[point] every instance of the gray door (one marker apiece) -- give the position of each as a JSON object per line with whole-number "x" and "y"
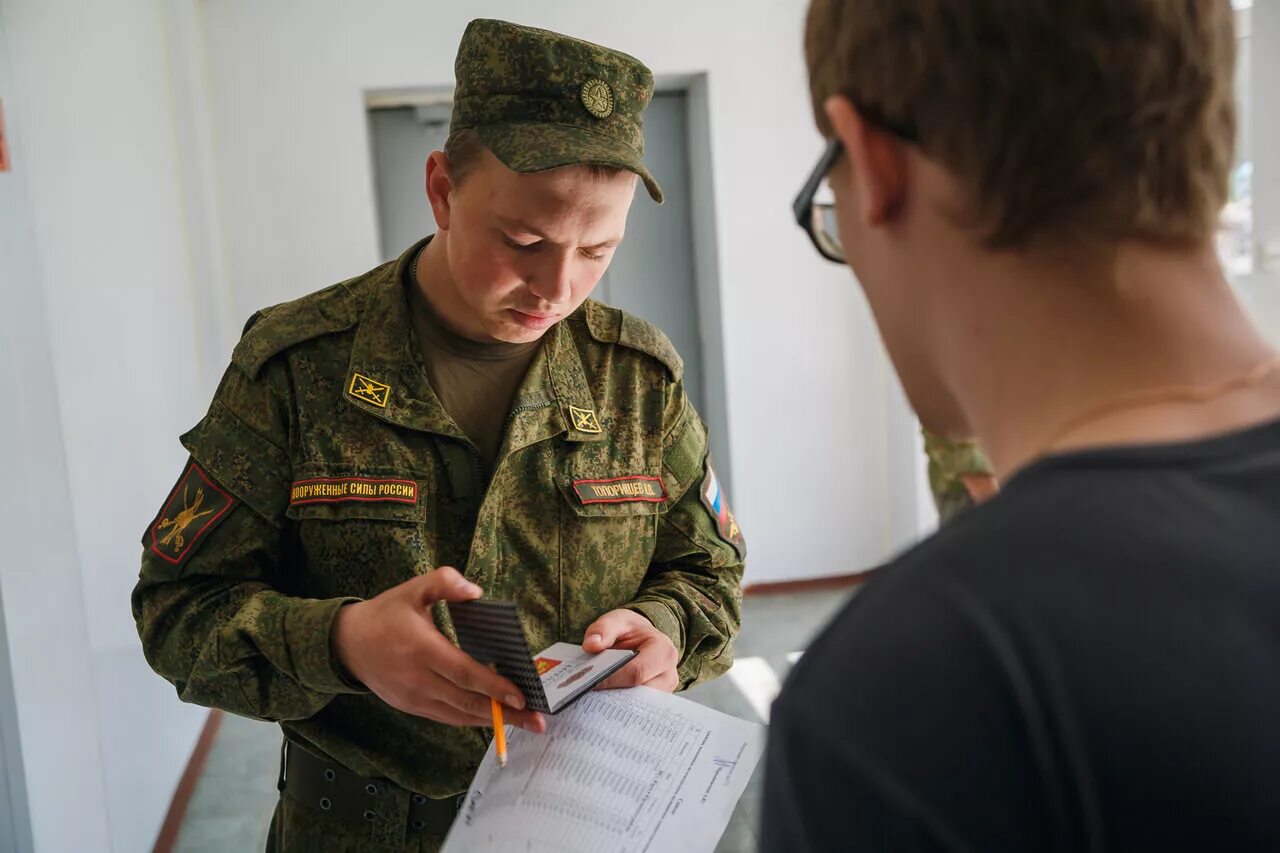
{"x": 401, "y": 139}
{"x": 652, "y": 274}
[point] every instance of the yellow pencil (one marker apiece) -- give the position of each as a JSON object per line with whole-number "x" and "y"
{"x": 499, "y": 731}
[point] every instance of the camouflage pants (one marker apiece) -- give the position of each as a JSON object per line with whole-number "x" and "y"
{"x": 295, "y": 828}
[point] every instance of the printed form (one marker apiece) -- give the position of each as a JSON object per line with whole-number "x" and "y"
{"x": 622, "y": 771}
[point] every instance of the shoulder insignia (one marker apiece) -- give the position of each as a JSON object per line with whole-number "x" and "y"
{"x": 273, "y": 330}
{"x": 615, "y": 326}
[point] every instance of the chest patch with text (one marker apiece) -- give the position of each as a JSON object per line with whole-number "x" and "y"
{"x": 620, "y": 490}
{"x": 354, "y": 489}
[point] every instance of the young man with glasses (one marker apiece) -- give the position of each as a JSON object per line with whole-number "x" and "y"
{"x": 1027, "y": 191}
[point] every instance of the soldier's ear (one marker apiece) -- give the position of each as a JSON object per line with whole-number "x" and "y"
{"x": 439, "y": 187}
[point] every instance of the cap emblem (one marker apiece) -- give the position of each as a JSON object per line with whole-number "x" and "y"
{"x": 597, "y": 97}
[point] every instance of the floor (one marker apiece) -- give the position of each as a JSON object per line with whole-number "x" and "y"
{"x": 235, "y": 795}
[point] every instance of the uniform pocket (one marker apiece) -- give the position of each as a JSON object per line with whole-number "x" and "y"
{"x": 609, "y": 528}
{"x": 357, "y": 533}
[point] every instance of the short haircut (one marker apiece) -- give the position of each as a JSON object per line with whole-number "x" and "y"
{"x": 1106, "y": 119}
{"x": 463, "y": 148}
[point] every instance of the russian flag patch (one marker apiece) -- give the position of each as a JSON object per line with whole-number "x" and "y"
{"x": 717, "y": 504}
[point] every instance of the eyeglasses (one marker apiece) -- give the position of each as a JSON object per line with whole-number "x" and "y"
{"x": 815, "y": 207}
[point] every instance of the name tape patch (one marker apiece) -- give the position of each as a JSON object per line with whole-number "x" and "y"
{"x": 620, "y": 490}
{"x": 362, "y": 489}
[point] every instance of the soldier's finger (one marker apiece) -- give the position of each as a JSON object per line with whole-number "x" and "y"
{"x": 449, "y": 715}
{"x": 651, "y": 660}
{"x": 479, "y": 706}
{"x": 666, "y": 681}
{"x": 530, "y": 721}
{"x": 629, "y": 676}
{"x": 462, "y": 670}
{"x": 437, "y": 692}
{"x": 475, "y": 704}
{"x": 444, "y": 584}
{"x": 605, "y": 631}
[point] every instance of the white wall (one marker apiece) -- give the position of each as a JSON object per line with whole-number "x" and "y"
{"x": 46, "y": 674}
{"x": 807, "y": 398}
{"x": 54, "y": 734}
{"x": 1262, "y": 289}
{"x": 52, "y": 739}
{"x": 102, "y": 317}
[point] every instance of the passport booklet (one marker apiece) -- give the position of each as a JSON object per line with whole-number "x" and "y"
{"x": 551, "y": 680}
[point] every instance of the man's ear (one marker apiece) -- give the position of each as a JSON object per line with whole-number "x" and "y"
{"x": 877, "y": 163}
{"x": 440, "y": 188}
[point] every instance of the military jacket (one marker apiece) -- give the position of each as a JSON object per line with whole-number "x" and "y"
{"x": 326, "y": 471}
{"x": 951, "y": 462}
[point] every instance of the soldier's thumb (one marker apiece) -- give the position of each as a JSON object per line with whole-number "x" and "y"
{"x": 603, "y": 633}
{"x": 446, "y": 584}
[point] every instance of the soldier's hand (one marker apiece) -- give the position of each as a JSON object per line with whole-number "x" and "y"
{"x": 656, "y": 658}
{"x": 391, "y": 645}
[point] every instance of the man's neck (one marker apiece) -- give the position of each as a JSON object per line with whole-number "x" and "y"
{"x": 1031, "y": 345}
{"x": 435, "y": 280}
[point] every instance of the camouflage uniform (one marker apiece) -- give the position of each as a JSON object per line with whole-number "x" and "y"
{"x": 953, "y": 465}
{"x": 326, "y": 471}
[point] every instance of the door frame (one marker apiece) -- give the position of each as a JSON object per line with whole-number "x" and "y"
{"x": 15, "y": 817}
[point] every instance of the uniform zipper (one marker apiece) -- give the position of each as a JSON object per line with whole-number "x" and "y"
{"x": 528, "y": 407}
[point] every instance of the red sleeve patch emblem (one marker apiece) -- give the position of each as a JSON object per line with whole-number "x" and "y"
{"x": 195, "y": 506}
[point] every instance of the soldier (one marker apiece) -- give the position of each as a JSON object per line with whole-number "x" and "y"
{"x": 463, "y": 406}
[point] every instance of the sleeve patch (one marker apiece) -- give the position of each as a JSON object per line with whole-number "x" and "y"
{"x": 717, "y": 504}
{"x": 195, "y": 506}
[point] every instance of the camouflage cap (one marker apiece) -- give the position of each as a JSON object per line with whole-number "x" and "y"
{"x": 540, "y": 100}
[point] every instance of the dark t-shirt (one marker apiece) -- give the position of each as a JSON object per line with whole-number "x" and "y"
{"x": 476, "y": 382}
{"x": 1090, "y": 661}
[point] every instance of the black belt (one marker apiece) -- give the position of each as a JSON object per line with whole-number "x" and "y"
{"x": 328, "y": 787}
